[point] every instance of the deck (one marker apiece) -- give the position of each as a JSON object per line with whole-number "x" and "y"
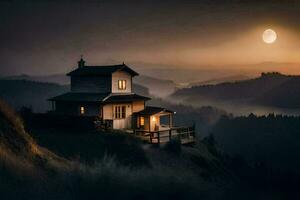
{"x": 185, "y": 135}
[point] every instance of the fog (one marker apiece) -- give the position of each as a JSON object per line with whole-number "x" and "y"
{"x": 238, "y": 109}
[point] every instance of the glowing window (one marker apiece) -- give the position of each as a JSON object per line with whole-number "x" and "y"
{"x": 142, "y": 121}
{"x": 122, "y": 84}
{"x": 82, "y": 110}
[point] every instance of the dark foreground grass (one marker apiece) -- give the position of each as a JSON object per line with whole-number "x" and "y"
{"x": 29, "y": 171}
{"x": 91, "y": 146}
{"x": 116, "y": 166}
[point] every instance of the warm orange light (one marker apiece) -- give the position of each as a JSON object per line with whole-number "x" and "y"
{"x": 82, "y": 110}
{"x": 153, "y": 119}
{"x": 122, "y": 84}
{"x": 142, "y": 121}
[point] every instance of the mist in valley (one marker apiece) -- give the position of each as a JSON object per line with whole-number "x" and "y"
{"x": 235, "y": 108}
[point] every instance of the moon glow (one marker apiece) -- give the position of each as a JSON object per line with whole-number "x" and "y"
{"x": 269, "y": 36}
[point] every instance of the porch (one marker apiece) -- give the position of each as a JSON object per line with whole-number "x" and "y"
{"x": 155, "y": 125}
{"x": 185, "y": 135}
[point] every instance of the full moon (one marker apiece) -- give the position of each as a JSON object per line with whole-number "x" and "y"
{"x": 269, "y": 36}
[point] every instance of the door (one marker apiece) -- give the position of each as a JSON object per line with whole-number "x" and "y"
{"x": 122, "y": 116}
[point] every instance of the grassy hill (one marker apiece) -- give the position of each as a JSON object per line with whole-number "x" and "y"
{"x": 270, "y": 89}
{"x": 24, "y": 165}
{"x": 106, "y": 165}
{"x": 115, "y": 165}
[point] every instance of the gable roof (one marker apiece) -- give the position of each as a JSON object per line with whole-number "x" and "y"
{"x": 98, "y": 97}
{"x": 101, "y": 70}
{"x": 151, "y": 110}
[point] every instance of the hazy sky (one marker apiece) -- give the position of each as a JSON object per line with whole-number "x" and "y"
{"x": 42, "y": 37}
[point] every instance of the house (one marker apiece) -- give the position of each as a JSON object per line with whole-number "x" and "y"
{"x": 106, "y": 92}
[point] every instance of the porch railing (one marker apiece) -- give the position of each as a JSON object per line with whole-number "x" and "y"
{"x": 183, "y": 134}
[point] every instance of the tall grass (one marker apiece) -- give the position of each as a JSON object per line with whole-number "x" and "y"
{"x": 28, "y": 171}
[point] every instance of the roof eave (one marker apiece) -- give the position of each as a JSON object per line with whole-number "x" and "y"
{"x": 131, "y": 71}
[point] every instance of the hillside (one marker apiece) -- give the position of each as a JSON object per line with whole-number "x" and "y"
{"x": 270, "y": 89}
{"x": 117, "y": 165}
{"x": 122, "y": 167}
{"x": 20, "y": 155}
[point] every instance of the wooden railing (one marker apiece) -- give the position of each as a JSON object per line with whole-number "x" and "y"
{"x": 183, "y": 134}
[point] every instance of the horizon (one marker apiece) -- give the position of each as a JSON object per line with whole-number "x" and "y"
{"x": 251, "y": 73}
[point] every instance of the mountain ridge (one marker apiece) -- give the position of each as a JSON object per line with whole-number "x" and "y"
{"x": 270, "y": 89}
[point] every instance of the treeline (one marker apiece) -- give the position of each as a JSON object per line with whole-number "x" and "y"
{"x": 273, "y": 140}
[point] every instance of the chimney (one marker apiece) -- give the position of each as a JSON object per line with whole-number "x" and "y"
{"x": 81, "y": 63}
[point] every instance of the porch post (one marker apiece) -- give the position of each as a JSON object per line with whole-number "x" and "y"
{"x": 170, "y": 120}
{"x": 149, "y": 118}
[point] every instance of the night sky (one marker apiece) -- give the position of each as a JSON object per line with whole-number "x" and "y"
{"x": 47, "y": 37}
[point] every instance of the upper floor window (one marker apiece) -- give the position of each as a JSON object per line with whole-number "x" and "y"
{"x": 122, "y": 84}
{"x": 120, "y": 112}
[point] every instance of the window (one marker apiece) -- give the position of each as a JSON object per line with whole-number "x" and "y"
{"x": 142, "y": 121}
{"x": 82, "y": 110}
{"x": 120, "y": 112}
{"x": 122, "y": 84}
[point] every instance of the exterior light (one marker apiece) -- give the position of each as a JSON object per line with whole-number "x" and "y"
{"x": 153, "y": 119}
{"x": 142, "y": 121}
{"x": 82, "y": 110}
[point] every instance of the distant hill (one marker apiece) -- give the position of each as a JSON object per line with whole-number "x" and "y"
{"x": 32, "y": 94}
{"x": 219, "y": 80}
{"x": 139, "y": 89}
{"x": 270, "y": 89}
{"x": 61, "y": 79}
{"x": 140, "y": 86}
{"x": 157, "y": 87}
